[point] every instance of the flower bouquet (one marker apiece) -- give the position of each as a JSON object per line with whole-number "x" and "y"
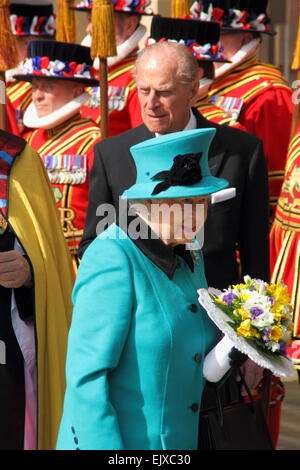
{"x": 256, "y": 318}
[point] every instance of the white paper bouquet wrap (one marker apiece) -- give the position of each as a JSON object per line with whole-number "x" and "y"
{"x": 217, "y": 359}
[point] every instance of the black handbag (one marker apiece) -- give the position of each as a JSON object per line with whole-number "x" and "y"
{"x": 238, "y": 426}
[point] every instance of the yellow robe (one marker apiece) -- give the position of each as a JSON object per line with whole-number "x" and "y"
{"x": 32, "y": 214}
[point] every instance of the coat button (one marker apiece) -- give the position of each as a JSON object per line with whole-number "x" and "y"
{"x": 193, "y": 308}
{"x": 197, "y": 358}
{"x": 194, "y": 407}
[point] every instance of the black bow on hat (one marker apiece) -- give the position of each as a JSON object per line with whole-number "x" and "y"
{"x": 185, "y": 171}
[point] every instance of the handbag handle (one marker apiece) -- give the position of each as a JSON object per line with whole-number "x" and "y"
{"x": 246, "y": 386}
{"x": 218, "y": 398}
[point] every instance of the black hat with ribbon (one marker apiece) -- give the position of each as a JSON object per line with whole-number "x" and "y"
{"x": 234, "y": 15}
{"x": 136, "y": 7}
{"x": 201, "y": 38}
{"x": 58, "y": 60}
{"x": 32, "y": 18}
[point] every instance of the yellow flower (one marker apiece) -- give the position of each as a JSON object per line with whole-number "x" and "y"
{"x": 239, "y": 286}
{"x": 280, "y": 294}
{"x": 276, "y": 333}
{"x": 244, "y": 297}
{"x": 243, "y": 313}
{"x": 245, "y": 329}
{"x": 220, "y": 301}
{"x": 279, "y": 314}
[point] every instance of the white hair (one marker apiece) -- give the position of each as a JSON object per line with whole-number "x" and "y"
{"x": 187, "y": 66}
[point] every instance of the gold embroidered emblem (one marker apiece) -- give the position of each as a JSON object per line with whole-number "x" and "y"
{"x": 292, "y": 183}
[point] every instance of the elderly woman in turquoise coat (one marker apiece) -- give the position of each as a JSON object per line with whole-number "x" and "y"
{"x": 139, "y": 337}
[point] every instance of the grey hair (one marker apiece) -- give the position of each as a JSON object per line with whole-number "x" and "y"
{"x": 187, "y": 66}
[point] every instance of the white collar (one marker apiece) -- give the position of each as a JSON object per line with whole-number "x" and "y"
{"x": 59, "y": 116}
{"x": 123, "y": 50}
{"x": 204, "y": 86}
{"x": 192, "y": 124}
{"x": 239, "y": 57}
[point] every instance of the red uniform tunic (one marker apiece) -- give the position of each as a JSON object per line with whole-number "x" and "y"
{"x": 285, "y": 233}
{"x": 266, "y": 112}
{"x": 123, "y": 104}
{"x": 12, "y": 125}
{"x": 67, "y": 153}
{"x": 19, "y": 97}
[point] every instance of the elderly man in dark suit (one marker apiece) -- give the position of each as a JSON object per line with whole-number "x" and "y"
{"x": 167, "y": 79}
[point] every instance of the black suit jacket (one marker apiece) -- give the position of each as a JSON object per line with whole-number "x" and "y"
{"x": 240, "y": 223}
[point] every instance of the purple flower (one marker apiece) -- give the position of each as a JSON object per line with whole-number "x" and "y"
{"x": 282, "y": 347}
{"x": 266, "y": 338}
{"x": 270, "y": 299}
{"x": 228, "y": 298}
{"x": 255, "y": 312}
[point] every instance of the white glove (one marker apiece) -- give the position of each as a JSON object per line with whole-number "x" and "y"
{"x": 217, "y": 362}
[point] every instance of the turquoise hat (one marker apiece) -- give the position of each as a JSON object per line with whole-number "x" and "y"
{"x": 174, "y": 166}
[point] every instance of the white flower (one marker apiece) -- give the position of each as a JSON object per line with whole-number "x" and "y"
{"x": 273, "y": 346}
{"x": 257, "y": 300}
{"x": 262, "y": 288}
{"x": 264, "y": 320}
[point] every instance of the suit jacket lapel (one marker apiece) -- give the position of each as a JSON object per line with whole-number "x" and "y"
{"x": 217, "y": 150}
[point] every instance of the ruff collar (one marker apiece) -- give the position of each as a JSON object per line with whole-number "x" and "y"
{"x": 239, "y": 57}
{"x": 59, "y": 116}
{"x": 123, "y": 50}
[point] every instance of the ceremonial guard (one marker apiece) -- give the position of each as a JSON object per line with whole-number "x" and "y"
{"x": 252, "y": 90}
{"x": 123, "y": 104}
{"x": 284, "y": 237}
{"x": 202, "y": 39}
{"x": 35, "y": 291}
{"x": 65, "y": 141}
{"x": 29, "y": 20}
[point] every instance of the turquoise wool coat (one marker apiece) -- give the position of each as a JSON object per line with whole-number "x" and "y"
{"x": 136, "y": 348}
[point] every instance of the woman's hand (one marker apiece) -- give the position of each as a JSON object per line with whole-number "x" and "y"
{"x": 15, "y": 270}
